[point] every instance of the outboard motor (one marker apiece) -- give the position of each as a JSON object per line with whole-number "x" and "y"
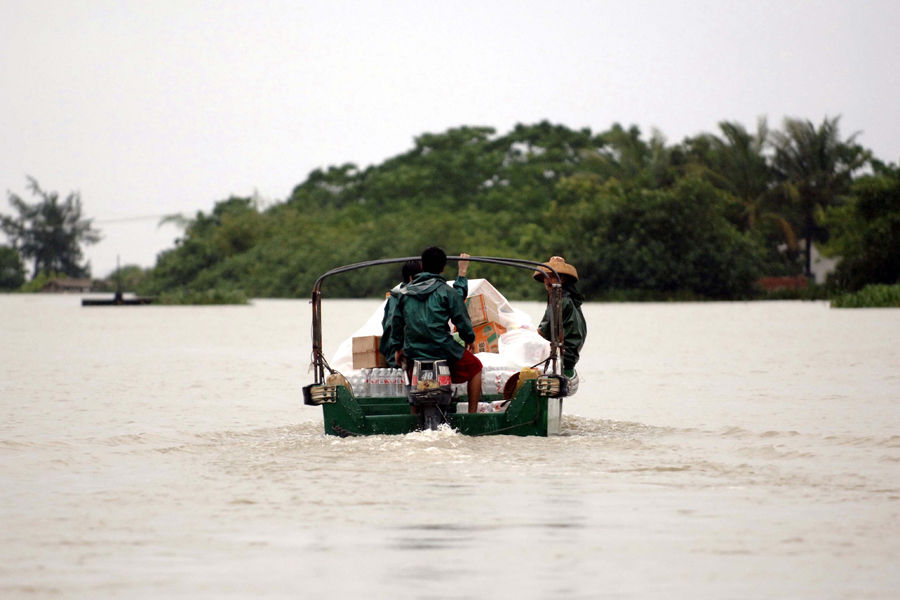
{"x": 430, "y": 392}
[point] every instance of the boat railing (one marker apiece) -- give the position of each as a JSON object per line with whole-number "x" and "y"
{"x": 556, "y": 334}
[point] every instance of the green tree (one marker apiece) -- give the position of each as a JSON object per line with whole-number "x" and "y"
{"x": 631, "y": 212}
{"x": 623, "y": 155}
{"x": 231, "y": 229}
{"x": 866, "y": 232}
{"x": 737, "y": 162}
{"x": 50, "y": 232}
{"x": 815, "y": 167}
{"x": 12, "y": 273}
{"x": 659, "y": 241}
{"x": 129, "y": 278}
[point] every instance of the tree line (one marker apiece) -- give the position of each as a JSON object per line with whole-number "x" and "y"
{"x": 638, "y": 216}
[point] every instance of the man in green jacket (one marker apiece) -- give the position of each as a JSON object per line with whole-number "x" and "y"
{"x": 573, "y": 323}
{"x": 419, "y": 329}
{"x": 410, "y": 269}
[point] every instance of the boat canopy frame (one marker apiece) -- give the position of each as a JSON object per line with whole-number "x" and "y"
{"x": 319, "y": 363}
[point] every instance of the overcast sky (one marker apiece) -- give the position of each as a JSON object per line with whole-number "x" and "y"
{"x": 152, "y": 107}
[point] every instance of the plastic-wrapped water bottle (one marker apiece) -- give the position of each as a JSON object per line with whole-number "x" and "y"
{"x": 487, "y": 381}
{"x": 399, "y": 386}
{"x": 392, "y": 383}
{"x": 378, "y": 381}
{"x": 359, "y": 384}
{"x": 373, "y": 383}
{"x": 366, "y": 383}
{"x": 385, "y": 383}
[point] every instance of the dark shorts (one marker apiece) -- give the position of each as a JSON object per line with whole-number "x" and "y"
{"x": 465, "y": 368}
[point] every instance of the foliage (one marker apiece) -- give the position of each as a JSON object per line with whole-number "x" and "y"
{"x": 871, "y": 296}
{"x": 639, "y": 217}
{"x": 50, "y": 231}
{"x": 866, "y": 233}
{"x": 814, "y": 167}
{"x": 38, "y": 283}
{"x": 129, "y": 278}
{"x": 809, "y": 293}
{"x": 231, "y": 229}
{"x": 664, "y": 241}
{"x": 12, "y": 273}
{"x": 210, "y": 296}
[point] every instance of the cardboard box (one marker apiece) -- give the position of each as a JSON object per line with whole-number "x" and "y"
{"x": 481, "y": 310}
{"x": 487, "y": 337}
{"x": 366, "y": 354}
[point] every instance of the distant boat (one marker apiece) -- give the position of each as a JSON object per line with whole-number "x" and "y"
{"x": 118, "y": 299}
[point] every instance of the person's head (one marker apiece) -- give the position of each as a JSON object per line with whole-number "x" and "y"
{"x": 567, "y": 272}
{"x": 433, "y": 260}
{"x": 411, "y": 268}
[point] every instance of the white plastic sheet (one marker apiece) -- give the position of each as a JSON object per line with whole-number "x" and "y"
{"x": 343, "y": 357}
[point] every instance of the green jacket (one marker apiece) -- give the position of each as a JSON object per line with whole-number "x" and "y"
{"x": 461, "y": 285}
{"x": 574, "y": 329}
{"x": 419, "y": 325}
{"x": 384, "y": 346}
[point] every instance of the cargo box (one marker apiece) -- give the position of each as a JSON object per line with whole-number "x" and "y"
{"x": 487, "y": 337}
{"x": 482, "y": 309}
{"x": 366, "y": 354}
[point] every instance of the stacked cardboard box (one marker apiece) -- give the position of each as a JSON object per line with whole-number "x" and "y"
{"x": 487, "y": 337}
{"x": 481, "y": 309}
{"x": 485, "y": 317}
{"x": 366, "y": 354}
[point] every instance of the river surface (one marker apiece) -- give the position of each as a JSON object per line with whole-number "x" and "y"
{"x": 721, "y": 450}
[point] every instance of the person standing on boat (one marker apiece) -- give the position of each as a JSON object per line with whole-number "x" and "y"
{"x": 410, "y": 269}
{"x": 573, "y": 323}
{"x": 419, "y": 329}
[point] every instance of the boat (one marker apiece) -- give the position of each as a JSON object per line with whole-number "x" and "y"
{"x": 118, "y": 299}
{"x": 529, "y": 404}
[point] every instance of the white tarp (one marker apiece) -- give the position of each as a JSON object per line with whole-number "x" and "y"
{"x": 521, "y": 345}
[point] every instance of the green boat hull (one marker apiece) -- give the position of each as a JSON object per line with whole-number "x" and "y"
{"x": 527, "y": 414}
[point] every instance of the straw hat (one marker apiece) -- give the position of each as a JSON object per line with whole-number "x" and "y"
{"x": 560, "y": 265}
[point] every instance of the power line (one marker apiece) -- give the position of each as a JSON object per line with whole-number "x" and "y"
{"x": 141, "y": 218}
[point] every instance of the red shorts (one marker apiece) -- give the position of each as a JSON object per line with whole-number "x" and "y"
{"x": 465, "y": 368}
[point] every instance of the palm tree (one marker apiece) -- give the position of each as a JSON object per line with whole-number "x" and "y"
{"x": 815, "y": 167}
{"x": 625, "y": 156}
{"x": 741, "y": 166}
{"x": 737, "y": 163}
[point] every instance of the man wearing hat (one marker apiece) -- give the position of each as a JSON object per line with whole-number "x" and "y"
{"x": 573, "y": 323}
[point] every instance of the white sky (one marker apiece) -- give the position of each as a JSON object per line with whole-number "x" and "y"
{"x": 151, "y": 107}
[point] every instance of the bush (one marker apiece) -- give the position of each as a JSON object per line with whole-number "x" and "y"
{"x": 37, "y": 284}
{"x": 871, "y": 296}
{"x": 12, "y": 273}
{"x": 210, "y": 296}
{"x": 866, "y": 233}
{"x": 673, "y": 242}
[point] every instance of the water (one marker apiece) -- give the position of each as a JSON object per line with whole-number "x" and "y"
{"x": 714, "y": 451}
